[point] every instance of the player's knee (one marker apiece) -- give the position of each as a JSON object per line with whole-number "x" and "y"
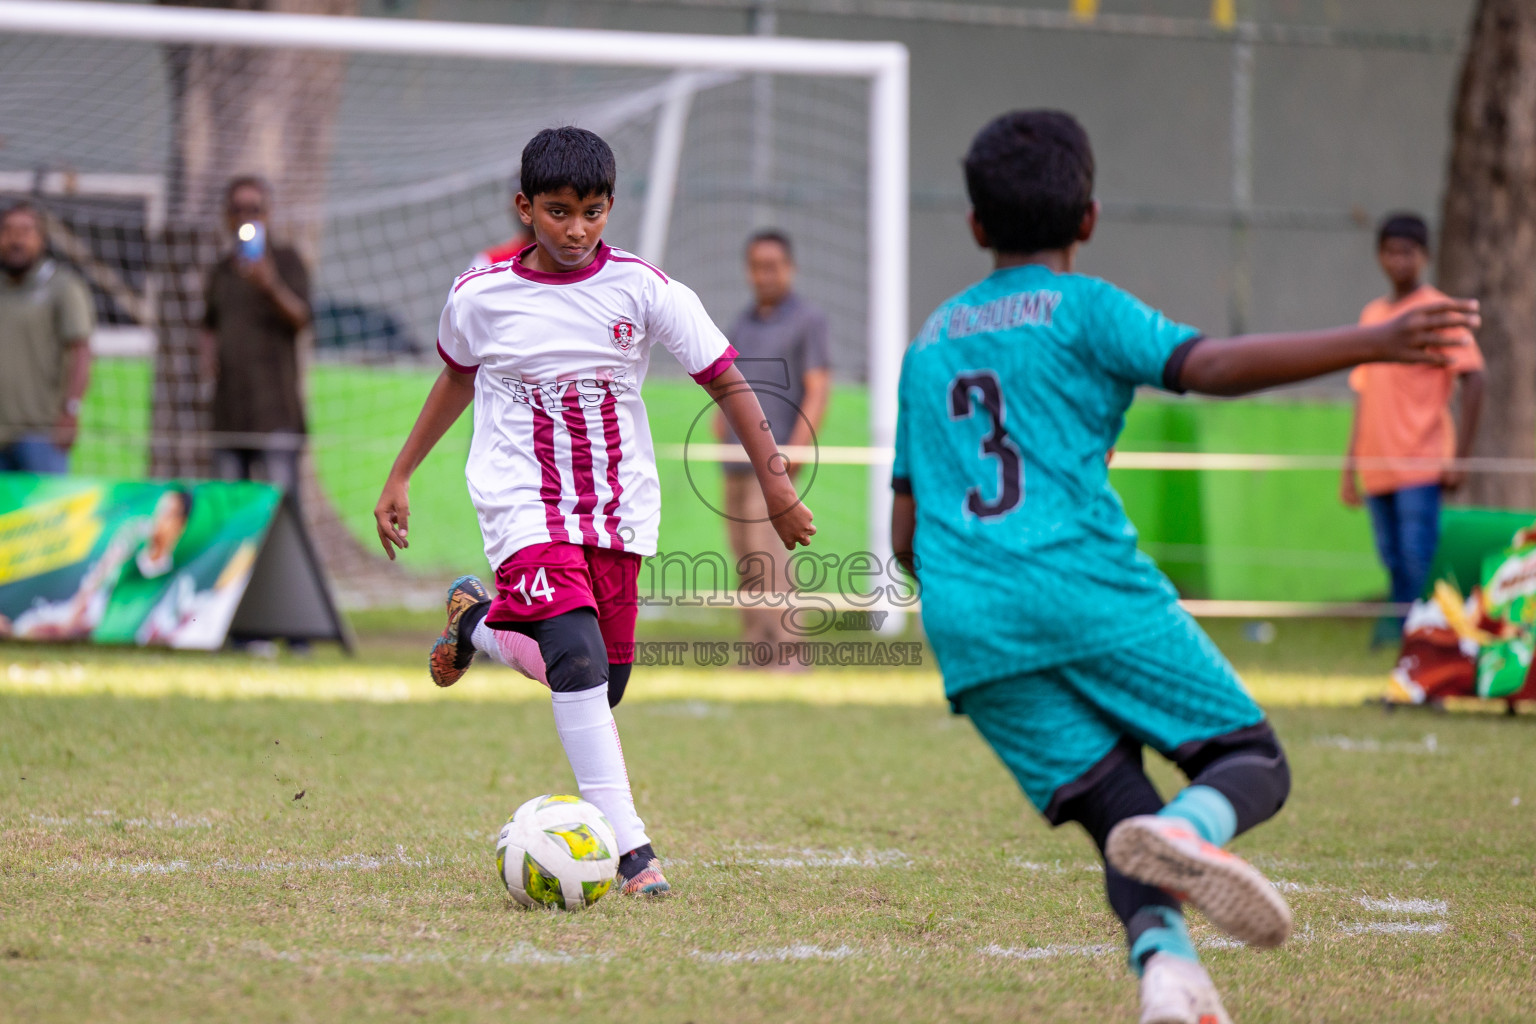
{"x": 1248, "y": 767}
{"x": 618, "y": 679}
{"x": 1264, "y": 752}
{"x": 575, "y": 657}
{"x": 1282, "y": 775}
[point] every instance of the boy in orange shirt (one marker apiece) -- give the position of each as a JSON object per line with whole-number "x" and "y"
{"x": 1403, "y": 437}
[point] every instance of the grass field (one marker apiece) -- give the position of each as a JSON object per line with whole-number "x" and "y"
{"x": 217, "y": 838}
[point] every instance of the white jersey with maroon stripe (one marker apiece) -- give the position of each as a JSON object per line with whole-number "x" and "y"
{"x": 562, "y": 447}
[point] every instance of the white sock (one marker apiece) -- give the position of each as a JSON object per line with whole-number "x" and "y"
{"x": 513, "y": 650}
{"x": 590, "y": 737}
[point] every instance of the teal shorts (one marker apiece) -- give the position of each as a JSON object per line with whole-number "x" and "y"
{"x": 1166, "y": 692}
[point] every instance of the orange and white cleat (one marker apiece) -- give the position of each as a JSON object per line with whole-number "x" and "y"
{"x": 453, "y": 651}
{"x": 1233, "y": 894}
{"x": 640, "y": 873}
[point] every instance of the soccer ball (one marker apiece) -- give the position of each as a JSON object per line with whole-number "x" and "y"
{"x": 557, "y": 851}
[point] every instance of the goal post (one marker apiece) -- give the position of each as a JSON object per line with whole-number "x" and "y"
{"x": 692, "y": 60}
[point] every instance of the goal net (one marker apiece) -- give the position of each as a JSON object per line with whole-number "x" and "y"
{"x": 392, "y": 148}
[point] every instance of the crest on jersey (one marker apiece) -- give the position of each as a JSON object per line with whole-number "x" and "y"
{"x": 622, "y": 333}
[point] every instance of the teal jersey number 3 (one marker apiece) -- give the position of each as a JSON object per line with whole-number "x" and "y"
{"x": 1011, "y": 397}
{"x": 988, "y": 391}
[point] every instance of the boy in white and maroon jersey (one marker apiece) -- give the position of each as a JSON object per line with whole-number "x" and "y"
{"x": 553, "y": 346}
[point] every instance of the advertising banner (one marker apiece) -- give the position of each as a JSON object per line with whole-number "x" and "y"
{"x": 156, "y": 563}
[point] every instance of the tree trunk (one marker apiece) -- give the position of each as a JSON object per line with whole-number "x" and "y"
{"x": 1488, "y": 243}
{"x": 239, "y": 110}
{"x": 235, "y": 110}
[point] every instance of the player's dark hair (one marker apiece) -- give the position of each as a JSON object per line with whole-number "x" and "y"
{"x": 254, "y": 181}
{"x": 570, "y": 157}
{"x": 774, "y": 235}
{"x": 1403, "y": 225}
{"x": 1029, "y": 174}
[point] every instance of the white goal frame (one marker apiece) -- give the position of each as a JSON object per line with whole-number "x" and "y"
{"x": 883, "y": 64}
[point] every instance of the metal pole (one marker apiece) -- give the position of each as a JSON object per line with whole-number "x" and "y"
{"x": 666, "y": 159}
{"x": 888, "y": 208}
{"x": 765, "y": 22}
{"x": 1240, "y": 299}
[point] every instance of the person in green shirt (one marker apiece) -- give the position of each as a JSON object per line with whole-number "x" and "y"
{"x": 46, "y": 319}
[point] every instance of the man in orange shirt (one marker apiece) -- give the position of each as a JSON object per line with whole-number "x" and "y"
{"x": 1403, "y": 437}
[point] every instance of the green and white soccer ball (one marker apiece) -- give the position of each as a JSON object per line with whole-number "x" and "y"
{"x": 557, "y": 851}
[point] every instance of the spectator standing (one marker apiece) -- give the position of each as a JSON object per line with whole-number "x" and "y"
{"x": 781, "y": 341}
{"x": 46, "y": 319}
{"x": 1403, "y": 413}
{"x": 256, "y": 303}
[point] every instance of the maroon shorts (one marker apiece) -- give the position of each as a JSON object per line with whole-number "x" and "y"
{"x": 545, "y": 580}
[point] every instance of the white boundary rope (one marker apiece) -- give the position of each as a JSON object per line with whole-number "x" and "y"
{"x": 836, "y": 455}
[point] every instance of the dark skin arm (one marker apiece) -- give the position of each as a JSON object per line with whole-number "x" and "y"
{"x": 1349, "y": 486}
{"x": 263, "y": 274}
{"x": 739, "y": 405}
{"x": 1253, "y": 362}
{"x": 818, "y": 389}
{"x": 904, "y": 530}
{"x": 1473, "y": 385}
{"x": 77, "y": 377}
{"x": 450, "y": 395}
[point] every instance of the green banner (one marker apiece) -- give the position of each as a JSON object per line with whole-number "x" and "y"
{"x": 161, "y": 563}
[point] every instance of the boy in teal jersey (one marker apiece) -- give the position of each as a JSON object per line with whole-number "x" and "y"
{"x": 1061, "y": 641}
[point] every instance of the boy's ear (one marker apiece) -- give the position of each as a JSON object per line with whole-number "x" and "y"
{"x": 524, "y": 207}
{"x": 978, "y": 232}
{"x": 1089, "y": 222}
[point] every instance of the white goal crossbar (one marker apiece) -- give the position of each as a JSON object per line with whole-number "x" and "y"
{"x": 883, "y": 64}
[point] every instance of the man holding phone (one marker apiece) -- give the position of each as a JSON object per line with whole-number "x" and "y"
{"x": 256, "y": 302}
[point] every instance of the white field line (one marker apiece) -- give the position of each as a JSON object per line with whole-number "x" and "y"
{"x": 1265, "y": 862}
{"x": 813, "y": 858}
{"x": 1394, "y": 928}
{"x": 783, "y": 954}
{"x": 1055, "y": 867}
{"x": 1392, "y": 905}
{"x": 1428, "y": 745}
{"x": 351, "y": 862}
{"x": 526, "y": 954}
{"x": 521, "y": 953}
{"x": 1046, "y": 952}
{"x": 1058, "y": 868}
{"x": 107, "y": 818}
{"x": 687, "y": 709}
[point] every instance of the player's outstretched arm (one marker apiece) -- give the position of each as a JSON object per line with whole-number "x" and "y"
{"x": 1252, "y": 362}
{"x": 904, "y": 531}
{"x": 450, "y": 395}
{"x": 741, "y": 409}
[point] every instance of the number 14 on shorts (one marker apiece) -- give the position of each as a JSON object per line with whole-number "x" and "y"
{"x": 538, "y": 587}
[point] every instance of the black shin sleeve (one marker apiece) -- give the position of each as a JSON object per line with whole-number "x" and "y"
{"x": 618, "y": 678}
{"x": 575, "y": 657}
{"x": 1114, "y": 789}
{"x": 1247, "y": 767}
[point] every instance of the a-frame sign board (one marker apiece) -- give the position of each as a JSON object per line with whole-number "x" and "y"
{"x": 288, "y": 595}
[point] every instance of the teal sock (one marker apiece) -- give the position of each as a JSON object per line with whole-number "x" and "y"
{"x": 1206, "y": 811}
{"x": 1162, "y": 930}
